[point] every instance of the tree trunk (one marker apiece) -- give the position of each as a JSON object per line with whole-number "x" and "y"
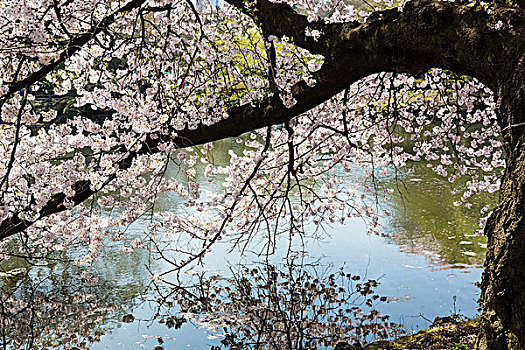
{"x": 503, "y": 285}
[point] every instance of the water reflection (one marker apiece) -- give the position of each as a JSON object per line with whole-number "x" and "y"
{"x": 423, "y": 218}
{"x": 48, "y": 304}
{"x": 65, "y": 316}
{"x": 425, "y": 222}
{"x": 292, "y": 305}
{"x": 269, "y": 304}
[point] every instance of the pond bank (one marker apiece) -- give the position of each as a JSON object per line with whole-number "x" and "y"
{"x": 446, "y": 333}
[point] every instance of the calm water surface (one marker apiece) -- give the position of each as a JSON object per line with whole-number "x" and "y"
{"x": 427, "y": 267}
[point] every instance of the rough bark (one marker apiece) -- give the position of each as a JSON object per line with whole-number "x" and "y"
{"x": 503, "y": 284}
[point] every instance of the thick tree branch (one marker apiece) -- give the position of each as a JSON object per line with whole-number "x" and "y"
{"x": 427, "y": 33}
{"x": 280, "y": 19}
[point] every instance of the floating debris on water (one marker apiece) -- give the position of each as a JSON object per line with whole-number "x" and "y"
{"x": 12, "y": 273}
{"x": 469, "y": 253}
{"x": 413, "y": 267}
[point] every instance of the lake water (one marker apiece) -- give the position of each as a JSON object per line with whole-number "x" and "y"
{"x": 428, "y": 266}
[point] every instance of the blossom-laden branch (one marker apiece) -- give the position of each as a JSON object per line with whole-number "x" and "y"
{"x": 425, "y": 34}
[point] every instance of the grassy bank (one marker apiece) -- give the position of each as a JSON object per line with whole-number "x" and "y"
{"x": 445, "y": 333}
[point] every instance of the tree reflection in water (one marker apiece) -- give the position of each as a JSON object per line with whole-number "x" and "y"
{"x": 67, "y": 316}
{"x": 47, "y": 304}
{"x": 289, "y": 306}
{"x": 292, "y": 305}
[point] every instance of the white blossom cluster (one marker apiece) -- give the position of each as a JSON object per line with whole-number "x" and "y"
{"x": 158, "y": 70}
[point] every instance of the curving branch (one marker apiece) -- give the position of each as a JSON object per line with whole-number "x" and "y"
{"x": 280, "y": 19}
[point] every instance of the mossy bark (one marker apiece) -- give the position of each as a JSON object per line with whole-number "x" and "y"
{"x": 502, "y": 323}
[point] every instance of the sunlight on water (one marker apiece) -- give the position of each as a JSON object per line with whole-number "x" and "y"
{"x": 427, "y": 265}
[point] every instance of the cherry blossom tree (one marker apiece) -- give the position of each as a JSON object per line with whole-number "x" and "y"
{"x": 98, "y": 97}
